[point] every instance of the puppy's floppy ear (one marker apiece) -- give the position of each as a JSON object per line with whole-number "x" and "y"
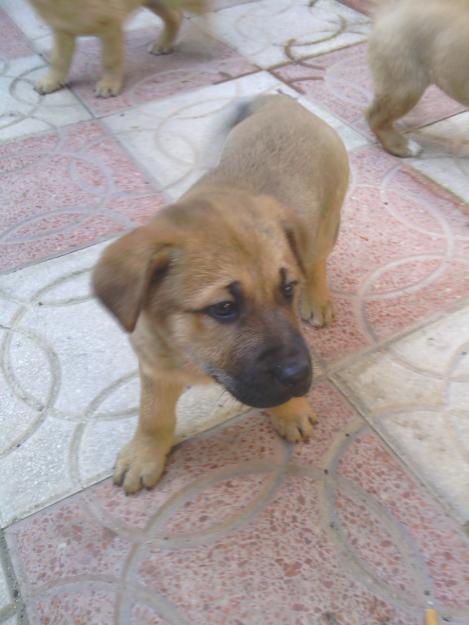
{"x": 125, "y": 270}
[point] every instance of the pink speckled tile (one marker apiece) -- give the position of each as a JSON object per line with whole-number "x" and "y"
{"x": 390, "y": 268}
{"x": 13, "y": 43}
{"x": 341, "y": 83}
{"x": 197, "y": 61}
{"x": 78, "y": 603}
{"x": 233, "y": 445}
{"x": 428, "y": 532}
{"x": 363, "y": 6}
{"x": 66, "y": 189}
{"x": 246, "y": 529}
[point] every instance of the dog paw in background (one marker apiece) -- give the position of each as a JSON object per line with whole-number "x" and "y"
{"x": 48, "y": 84}
{"x": 108, "y": 87}
{"x": 105, "y": 20}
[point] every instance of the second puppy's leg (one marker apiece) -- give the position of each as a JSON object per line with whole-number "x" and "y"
{"x": 399, "y": 83}
{"x": 112, "y": 39}
{"x": 64, "y": 47}
{"x": 172, "y": 18}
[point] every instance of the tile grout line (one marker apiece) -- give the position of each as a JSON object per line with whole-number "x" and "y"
{"x": 17, "y": 605}
{"x": 350, "y": 398}
{"x": 336, "y": 367}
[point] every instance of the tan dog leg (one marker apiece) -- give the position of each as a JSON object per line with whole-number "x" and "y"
{"x": 316, "y": 305}
{"x": 141, "y": 462}
{"x": 294, "y": 420}
{"x": 172, "y": 21}
{"x": 382, "y": 114}
{"x": 112, "y": 39}
{"x": 64, "y": 47}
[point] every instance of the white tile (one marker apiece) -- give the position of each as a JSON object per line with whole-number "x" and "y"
{"x": 69, "y": 386}
{"x": 36, "y": 473}
{"x": 174, "y": 138}
{"x": 23, "y": 111}
{"x": 415, "y": 392}
{"x": 26, "y": 18}
{"x": 270, "y": 32}
{"x": 445, "y": 156}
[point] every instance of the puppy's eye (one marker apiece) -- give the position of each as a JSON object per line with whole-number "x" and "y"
{"x": 288, "y": 290}
{"x": 224, "y": 311}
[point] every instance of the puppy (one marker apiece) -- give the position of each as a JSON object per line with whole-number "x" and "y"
{"x": 211, "y": 288}
{"x": 105, "y": 19}
{"x": 413, "y": 44}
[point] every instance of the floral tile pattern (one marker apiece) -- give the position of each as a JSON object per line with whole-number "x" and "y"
{"x": 69, "y": 403}
{"x": 23, "y": 111}
{"x": 197, "y": 61}
{"x": 366, "y": 523}
{"x": 402, "y": 255}
{"x": 175, "y": 140}
{"x": 427, "y": 422}
{"x": 66, "y": 189}
{"x": 445, "y": 156}
{"x": 341, "y": 83}
{"x": 269, "y": 32}
{"x": 245, "y": 528}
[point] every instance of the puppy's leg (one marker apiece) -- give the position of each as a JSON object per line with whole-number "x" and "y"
{"x": 316, "y": 305}
{"x": 141, "y": 462}
{"x": 385, "y": 110}
{"x": 112, "y": 39}
{"x": 64, "y": 47}
{"x": 294, "y": 420}
{"x": 172, "y": 21}
{"x": 399, "y": 82}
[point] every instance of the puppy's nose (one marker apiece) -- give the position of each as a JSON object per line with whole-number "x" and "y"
{"x": 293, "y": 374}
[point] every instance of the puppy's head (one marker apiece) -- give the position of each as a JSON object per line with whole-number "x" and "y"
{"x": 219, "y": 287}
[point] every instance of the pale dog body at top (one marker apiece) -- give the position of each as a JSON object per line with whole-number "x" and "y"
{"x": 413, "y": 44}
{"x": 105, "y": 19}
{"x": 264, "y": 220}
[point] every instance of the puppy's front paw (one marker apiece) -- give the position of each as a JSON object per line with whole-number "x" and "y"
{"x": 48, "y": 84}
{"x": 319, "y": 313}
{"x": 161, "y": 46}
{"x": 140, "y": 464}
{"x": 108, "y": 87}
{"x": 294, "y": 420}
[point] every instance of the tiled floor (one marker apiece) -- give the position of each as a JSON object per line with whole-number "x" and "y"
{"x": 365, "y": 524}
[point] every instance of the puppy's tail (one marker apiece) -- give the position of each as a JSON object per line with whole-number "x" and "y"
{"x": 232, "y": 117}
{"x": 241, "y": 111}
{"x": 229, "y": 118}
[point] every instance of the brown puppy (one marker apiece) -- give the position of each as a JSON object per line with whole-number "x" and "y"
{"x": 413, "y": 44}
{"x": 70, "y": 19}
{"x": 210, "y": 289}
